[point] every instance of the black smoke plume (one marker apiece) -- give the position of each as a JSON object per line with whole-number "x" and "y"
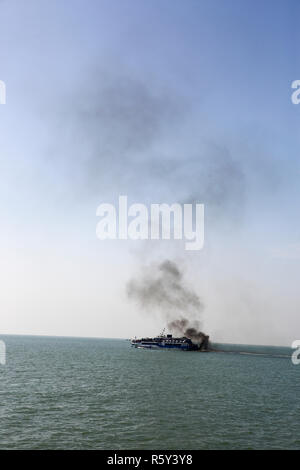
{"x": 162, "y": 288}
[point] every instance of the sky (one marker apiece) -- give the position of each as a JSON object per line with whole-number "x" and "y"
{"x": 162, "y": 101}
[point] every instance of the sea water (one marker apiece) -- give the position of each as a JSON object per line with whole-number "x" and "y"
{"x": 71, "y": 393}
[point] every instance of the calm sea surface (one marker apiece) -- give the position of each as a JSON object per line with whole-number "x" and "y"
{"x": 70, "y": 393}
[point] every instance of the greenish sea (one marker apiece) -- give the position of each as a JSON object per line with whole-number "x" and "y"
{"x": 74, "y": 393}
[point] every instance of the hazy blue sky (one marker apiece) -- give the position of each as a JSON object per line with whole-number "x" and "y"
{"x": 164, "y": 101}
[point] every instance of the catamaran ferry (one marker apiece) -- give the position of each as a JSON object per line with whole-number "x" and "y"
{"x": 169, "y": 342}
